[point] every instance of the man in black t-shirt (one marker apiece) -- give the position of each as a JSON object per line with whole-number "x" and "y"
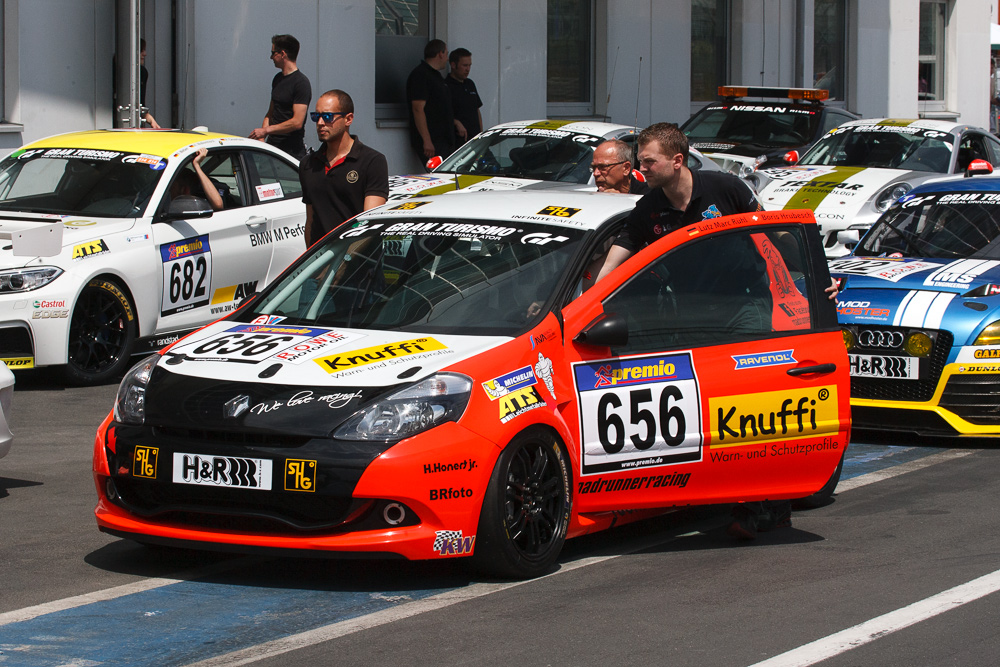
{"x": 284, "y": 123}
{"x": 432, "y": 123}
{"x": 342, "y": 177}
{"x": 465, "y": 102}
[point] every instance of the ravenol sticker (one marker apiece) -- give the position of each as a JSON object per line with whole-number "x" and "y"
{"x": 144, "y": 462}
{"x": 503, "y": 385}
{"x": 773, "y": 416}
{"x": 185, "y": 248}
{"x": 300, "y": 475}
{"x": 90, "y": 249}
{"x": 764, "y": 359}
{"x": 369, "y": 355}
{"x": 559, "y": 211}
{"x": 409, "y": 205}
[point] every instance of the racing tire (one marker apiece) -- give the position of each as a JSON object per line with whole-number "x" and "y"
{"x": 526, "y": 510}
{"x": 824, "y": 495}
{"x": 102, "y": 334}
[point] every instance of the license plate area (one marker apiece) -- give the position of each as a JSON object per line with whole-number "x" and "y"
{"x": 222, "y": 471}
{"x": 884, "y": 366}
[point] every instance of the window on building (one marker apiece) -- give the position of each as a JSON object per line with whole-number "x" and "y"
{"x": 570, "y": 57}
{"x": 402, "y": 29}
{"x": 932, "y": 36}
{"x": 709, "y": 48}
{"x": 830, "y": 46}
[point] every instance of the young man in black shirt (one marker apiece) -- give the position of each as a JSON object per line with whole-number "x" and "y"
{"x": 284, "y": 123}
{"x": 432, "y": 123}
{"x": 342, "y": 177}
{"x": 465, "y": 102}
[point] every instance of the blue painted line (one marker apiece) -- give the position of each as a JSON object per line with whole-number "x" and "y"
{"x": 183, "y": 623}
{"x": 863, "y": 458}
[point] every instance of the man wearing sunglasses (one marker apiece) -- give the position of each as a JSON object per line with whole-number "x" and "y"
{"x": 342, "y": 177}
{"x": 284, "y": 123}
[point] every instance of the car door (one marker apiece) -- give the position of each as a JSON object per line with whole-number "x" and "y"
{"x": 274, "y": 186}
{"x": 210, "y": 264}
{"x": 733, "y": 381}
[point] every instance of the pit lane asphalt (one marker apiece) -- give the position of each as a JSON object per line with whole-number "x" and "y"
{"x": 672, "y": 590}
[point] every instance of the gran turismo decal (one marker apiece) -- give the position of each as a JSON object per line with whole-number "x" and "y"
{"x": 769, "y": 416}
{"x": 638, "y": 412}
{"x": 760, "y": 359}
{"x": 450, "y": 229}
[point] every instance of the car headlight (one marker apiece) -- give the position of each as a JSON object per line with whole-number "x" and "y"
{"x": 424, "y": 405}
{"x": 891, "y": 194}
{"x": 989, "y": 336}
{"x": 24, "y": 280}
{"x": 130, "y": 404}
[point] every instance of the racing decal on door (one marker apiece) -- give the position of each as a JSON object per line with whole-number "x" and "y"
{"x": 638, "y": 412}
{"x": 187, "y": 274}
{"x": 773, "y": 416}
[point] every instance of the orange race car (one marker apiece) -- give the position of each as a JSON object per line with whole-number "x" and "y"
{"x": 438, "y": 378}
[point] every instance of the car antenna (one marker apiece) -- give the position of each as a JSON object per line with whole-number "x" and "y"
{"x": 611, "y": 85}
{"x": 638, "y": 86}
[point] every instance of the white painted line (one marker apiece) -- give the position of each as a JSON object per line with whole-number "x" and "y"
{"x": 869, "y": 631}
{"x": 902, "y": 469}
{"x": 28, "y": 613}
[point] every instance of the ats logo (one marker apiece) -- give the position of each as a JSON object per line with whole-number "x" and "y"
{"x": 144, "y": 462}
{"x": 300, "y": 475}
{"x": 451, "y": 543}
{"x": 773, "y": 416}
{"x": 518, "y": 402}
{"x": 90, "y": 249}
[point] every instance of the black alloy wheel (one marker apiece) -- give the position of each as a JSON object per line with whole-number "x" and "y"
{"x": 526, "y": 511}
{"x": 101, "y": 333}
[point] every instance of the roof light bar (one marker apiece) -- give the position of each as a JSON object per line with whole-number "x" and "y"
{"x": 809, "y": 94}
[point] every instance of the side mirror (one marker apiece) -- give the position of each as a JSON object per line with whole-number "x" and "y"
{"x": 978, "y": 167}
{"x": 184, "y": 207}
{"x": 608, "y": 330}
{"x": 849, "y": 236}
{"x": 434, "y": 163}
{"x": 791, "y": 157}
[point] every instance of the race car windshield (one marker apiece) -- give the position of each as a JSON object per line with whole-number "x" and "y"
{"x": 883, "y": 146}
{"x": 76, "y": 181}
{"x": 754, "y": 123}
{"x": 535, "y": 153}
{"x": 939, "y": 226}
{"x": 479, "y": 277}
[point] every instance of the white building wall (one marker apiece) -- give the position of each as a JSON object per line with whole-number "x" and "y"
{"x": 967, "y": 61}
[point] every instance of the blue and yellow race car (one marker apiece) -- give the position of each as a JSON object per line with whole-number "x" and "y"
{"x": 920, "y": 311}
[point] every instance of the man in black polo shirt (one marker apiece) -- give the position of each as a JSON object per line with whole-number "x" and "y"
{"x": 465, "y": 100}
{"x": 432, "y": 123}
{"x": 284, "y": 123}
{"x": 343, "y": 177}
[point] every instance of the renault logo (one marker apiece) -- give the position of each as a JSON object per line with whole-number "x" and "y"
{"x": 876, "y": 338}
{"x": 236, "y": 406}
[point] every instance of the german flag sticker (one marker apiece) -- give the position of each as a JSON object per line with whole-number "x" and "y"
{"x": 559, "y": 211}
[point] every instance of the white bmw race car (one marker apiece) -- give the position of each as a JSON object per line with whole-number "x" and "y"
{"x": 855, "y": 172}
{"x": 109, "y": 245}
{"x": 532, "y": 154}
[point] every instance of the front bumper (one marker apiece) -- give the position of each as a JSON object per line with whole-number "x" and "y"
{"x": 352, "y": 506}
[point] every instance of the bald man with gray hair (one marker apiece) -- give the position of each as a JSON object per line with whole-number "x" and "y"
{"x": 612, "y": 167}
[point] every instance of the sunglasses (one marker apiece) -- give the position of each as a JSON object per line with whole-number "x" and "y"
{"x": 327, "y": 116}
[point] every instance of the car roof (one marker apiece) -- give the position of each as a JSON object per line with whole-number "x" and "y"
{"x": 162, "y": 143}
{"x": 581, "y": 210}
{"x": 921, "y": 123}
{"x": 596, "y": 128}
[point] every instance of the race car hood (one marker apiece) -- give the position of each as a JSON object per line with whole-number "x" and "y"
{"x": 918, "y": 292}
{"x": 421, "y": 185}
{"x": 311, "y": 380}
{"x": 837, "y": 191}
{"x": 746, "y": 152}
{"x": 74, "y": 230}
